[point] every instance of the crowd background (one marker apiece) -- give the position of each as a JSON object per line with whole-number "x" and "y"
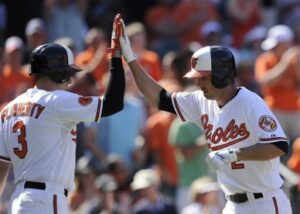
{"x": 141, "y": 160}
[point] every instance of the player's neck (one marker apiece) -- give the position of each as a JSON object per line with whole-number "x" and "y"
{"x": 47, "y": 85}
{"x": 228, "y": 93}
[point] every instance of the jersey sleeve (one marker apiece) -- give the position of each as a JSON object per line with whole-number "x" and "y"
{"x": 73, "y": 107}
{"x": 264, "y": 125}
{"x": 4, "y": 156}
{"x": 186, "y": 105}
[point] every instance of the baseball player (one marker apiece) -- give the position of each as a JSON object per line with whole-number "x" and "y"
{"x": 245, "y": 138}
{"x": 38, "y": 129}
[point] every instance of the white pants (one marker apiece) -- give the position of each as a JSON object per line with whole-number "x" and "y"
{"x": 34, "y": 201}
{"x": 273, "y": 203}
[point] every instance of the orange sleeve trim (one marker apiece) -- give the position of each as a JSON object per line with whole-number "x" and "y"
{"x": 273, "y": 139}
{"x": 98, "y": 110}
{"x": 275, "y": 205}
{"x": 177, "y": 108}
{"x": 5, "y": 159}
{"x": 55, "y": 204}
{"x": 215, "y": 148}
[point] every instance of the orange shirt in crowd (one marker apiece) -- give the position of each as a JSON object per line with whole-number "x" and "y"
{"x": 158, "y": 125}
{"x": 283, "y": 94}
{"x": 14, "y": 82}
{"x": 294, "y": 161}
{"x": 194, "y": 14}
{"x": 150, "y": 61}
{"x": 85, "y": 58}
{"x": 154, "y": 16}
{"x": 240, "y": 26}
{"x": 186, "y": 18}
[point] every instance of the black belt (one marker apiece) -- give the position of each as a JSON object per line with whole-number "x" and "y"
{"x": 242, "y": 197}
{"x": 39, "y": 185}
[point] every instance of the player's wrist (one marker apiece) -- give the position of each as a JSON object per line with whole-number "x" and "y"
{"x": 232, "y": 154}
{"x": 130, "y": 57}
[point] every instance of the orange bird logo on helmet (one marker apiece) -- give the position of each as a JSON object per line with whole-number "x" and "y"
{"x": 194, "y": 62}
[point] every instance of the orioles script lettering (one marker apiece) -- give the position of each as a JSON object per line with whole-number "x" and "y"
{"x": 232, "y": 134}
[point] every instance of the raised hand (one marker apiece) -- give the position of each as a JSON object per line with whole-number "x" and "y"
{"x": 115, "y": 48}
{"x": 125, "y": 43}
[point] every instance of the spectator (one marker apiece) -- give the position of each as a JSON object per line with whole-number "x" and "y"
{"x": 211, "y": 33}
{"x": 94, "y": 57}
{"x": 106, "y": 187}
{"x": 163, "y": 29}
{"x": 246, "y": 77}
{"x": 251, "y": 47}
{"x": 147, "y": 58}
{"x": 124, "y": 142}
{"x": 147, "y": 182}
{"x": 294, "y": 164}
{"x": 86, "y": 190}
{"x": 206, "y": 197}
{"x": 14, "y": 78}
{"x": 191, "y": 150}
{"x": 36, "y": 35}
{"x": 277, "y": 72}
{"x": 243, "y": 15}
{"x": 66, "y": 18}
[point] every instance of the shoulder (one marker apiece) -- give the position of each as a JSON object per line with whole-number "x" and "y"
{"x": 186, "y": 94}
{"x": 245, "y": 96}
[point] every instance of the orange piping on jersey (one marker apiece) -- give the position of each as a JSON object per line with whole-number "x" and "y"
{"x": 98, "y": 110}
{"x": 74, "y": 133}
{"x": 229, "y": 143}
{"x": 177, "y": 109}
{"x": 5, "y": 159}
{"x": 54, "y": 204}
{"x": 275, "y": 205}
{"x": 273, "y": 139}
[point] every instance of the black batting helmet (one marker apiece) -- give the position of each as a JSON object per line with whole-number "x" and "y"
{"x": 216, "y": 61}
{"x": 53, "y": 60}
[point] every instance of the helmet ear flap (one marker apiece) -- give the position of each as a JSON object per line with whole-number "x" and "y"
{"x": 221, "y": 77}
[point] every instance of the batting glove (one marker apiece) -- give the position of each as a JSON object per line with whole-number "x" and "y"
{"x": 228, "y": 155}
{"x": 125, "y": 44}
{"x": 214, "y": 160}
{"x": 218, "y": 159}
{"x": 115, "y": 48}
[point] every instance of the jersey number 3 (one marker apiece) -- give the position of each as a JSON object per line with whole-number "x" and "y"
{"x": 20, "y": 152}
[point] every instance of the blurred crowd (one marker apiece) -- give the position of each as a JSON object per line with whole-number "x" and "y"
{"x": 141, "y": 160}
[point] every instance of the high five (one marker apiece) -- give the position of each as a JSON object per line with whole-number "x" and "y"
{"x": 246, "y": 139}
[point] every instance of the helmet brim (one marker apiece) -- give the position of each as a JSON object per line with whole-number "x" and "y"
{"x": 196, "y": 74}
{"x": 75, "y": 68}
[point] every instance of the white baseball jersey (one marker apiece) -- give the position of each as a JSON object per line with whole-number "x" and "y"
{"x": 244, "y": 121}
{"x": 39, "y": 134}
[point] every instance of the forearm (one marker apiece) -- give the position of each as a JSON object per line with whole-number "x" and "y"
{"x": 148, "y": 86}
{"x": 273, "y": 75}
{"x": 114, "y": 96}
{"x": 259, "y": 152}
{"x": 4, "y": 169}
